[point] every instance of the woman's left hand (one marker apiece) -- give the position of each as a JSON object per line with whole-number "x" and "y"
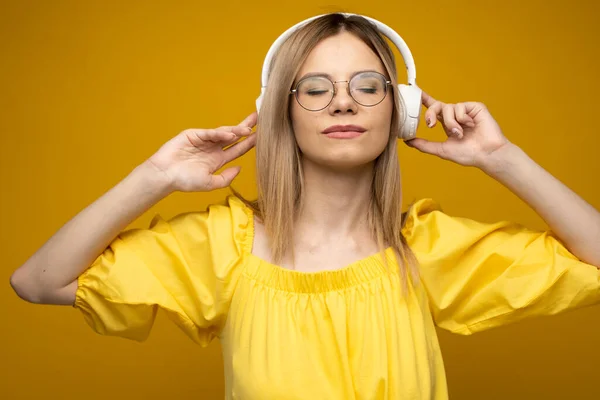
{"x": 473, "y": 134}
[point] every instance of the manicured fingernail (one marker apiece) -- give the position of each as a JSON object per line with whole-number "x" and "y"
{"x": 456, "y": 132}
{"x": 429, "y": 124}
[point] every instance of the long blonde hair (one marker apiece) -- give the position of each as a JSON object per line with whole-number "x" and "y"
{"x": 280, "y": 180}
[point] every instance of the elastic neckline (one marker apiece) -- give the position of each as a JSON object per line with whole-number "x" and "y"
{"x": 281, "y": 278}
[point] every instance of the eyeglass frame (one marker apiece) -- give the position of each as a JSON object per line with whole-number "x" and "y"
{"x": 333, "y": 83}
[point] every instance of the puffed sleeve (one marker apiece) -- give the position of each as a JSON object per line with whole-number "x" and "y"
{"x": 185, "y": 266}
{"x": 482, "y": 275}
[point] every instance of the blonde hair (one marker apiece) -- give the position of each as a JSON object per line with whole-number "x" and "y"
{"x": 280, "y": 180}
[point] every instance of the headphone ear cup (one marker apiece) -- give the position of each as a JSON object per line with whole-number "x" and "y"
{"x": 411, "y": 100}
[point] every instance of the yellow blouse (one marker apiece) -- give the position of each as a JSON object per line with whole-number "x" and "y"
{"x": 340, "y": 334}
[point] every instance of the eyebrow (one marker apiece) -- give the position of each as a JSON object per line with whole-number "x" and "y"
{"x": 312, "y": 74}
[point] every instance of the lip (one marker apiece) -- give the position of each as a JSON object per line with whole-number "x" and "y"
{"x": 344, "y": 128}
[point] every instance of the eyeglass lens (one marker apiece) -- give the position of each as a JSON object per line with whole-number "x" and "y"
{"x": 367, "y": 88}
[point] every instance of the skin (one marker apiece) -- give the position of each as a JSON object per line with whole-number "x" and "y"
{"x": 331, "y": 229}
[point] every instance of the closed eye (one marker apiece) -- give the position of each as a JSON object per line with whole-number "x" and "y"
{"x": 368, "y": 90}
{"x": 316, "y": 92}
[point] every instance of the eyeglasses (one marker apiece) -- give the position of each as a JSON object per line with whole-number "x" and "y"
{"x": 314, "y": 93}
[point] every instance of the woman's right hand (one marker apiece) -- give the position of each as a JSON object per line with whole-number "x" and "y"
{"x": 189, "y": 160}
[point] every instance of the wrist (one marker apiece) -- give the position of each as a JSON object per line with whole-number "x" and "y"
{"x": 503, "y": 160}
{"x": 152, "y": 180}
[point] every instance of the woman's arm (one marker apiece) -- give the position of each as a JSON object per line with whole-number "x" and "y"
{"x": 185, "y": 163}
{"x": 475, "y": 139}
{"x": 571, "y": 218}
{"x": 49, "y": 276}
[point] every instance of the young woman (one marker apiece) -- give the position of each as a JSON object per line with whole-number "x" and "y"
{"x": 322, "y": 289}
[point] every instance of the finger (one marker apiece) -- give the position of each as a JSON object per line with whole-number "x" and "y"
{"x": 427, "y": 100}
{"x": 224, "y": 179}
{"x": 431, "y": 115}
{"x": 462, "y": 117}
{"x": 241, "y": 130}
{"x": 250, "y": 120}
{"x": 474, "y": 108}
{"x": 214, "y": 135}
{"x": 240, "y": 148}
{"x": 450, "y": 122}
{"x": 238, "y": 130}
{"x": 426, "y": 146}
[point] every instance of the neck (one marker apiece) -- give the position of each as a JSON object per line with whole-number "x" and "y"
{"x": 335, "y": 204}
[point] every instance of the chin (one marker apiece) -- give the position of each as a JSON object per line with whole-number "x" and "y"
{"x": 344, "y": 160}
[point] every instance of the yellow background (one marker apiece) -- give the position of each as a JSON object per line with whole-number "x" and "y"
{"x": 89, "y": 89}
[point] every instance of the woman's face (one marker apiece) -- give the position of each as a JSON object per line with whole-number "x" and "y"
{"x": 341, "y": 57}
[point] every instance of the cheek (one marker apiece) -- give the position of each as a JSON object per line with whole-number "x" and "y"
{"x": 387, "y": 110}
{"x": 382, "y": 121}
{"x": 304, "y": 124}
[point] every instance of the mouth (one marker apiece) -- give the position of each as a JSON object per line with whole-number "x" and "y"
{"x": 344, "y": 131}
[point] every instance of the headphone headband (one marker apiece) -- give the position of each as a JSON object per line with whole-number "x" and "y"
{"x": 383, "y": 28}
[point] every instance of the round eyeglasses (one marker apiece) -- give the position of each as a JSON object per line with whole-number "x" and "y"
{"x": 314, "y": 93}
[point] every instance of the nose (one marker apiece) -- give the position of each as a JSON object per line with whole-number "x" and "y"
{"x": 342, "y": 102}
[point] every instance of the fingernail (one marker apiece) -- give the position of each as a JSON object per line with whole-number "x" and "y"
{"x": 429, "y": 124}
{"x": 456, "y": 132}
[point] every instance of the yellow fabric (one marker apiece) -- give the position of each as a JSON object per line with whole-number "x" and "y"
{"x": 343, "y": 334}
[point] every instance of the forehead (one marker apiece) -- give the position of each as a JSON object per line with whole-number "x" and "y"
{"x": 340, "y": 56}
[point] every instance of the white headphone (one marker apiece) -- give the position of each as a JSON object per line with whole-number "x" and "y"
{"x": 410, "y": 94}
